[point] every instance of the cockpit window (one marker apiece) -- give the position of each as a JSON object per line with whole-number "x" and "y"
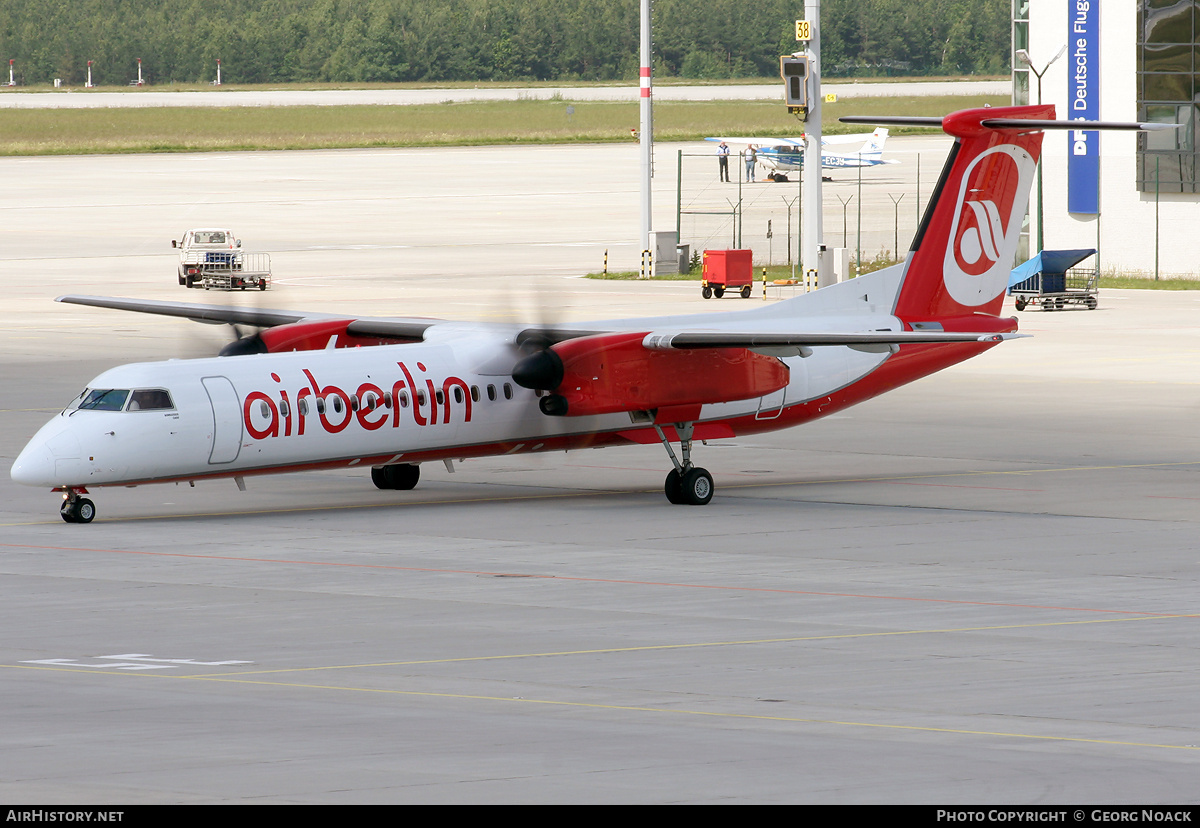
{"x": 104, "y": 399}
{"x": 150, "y": 399}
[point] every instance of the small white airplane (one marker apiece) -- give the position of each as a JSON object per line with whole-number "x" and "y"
{"x": 784, "y": 155}
{"x": 313, "y": 390}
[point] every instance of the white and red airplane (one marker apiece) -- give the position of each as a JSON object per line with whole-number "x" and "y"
{"x": 317, "y": 391}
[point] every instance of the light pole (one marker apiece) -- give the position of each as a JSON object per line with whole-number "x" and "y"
{"x": 1023, "y": 56}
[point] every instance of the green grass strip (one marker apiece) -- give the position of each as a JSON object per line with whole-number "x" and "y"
{"x": 212, "y": 129}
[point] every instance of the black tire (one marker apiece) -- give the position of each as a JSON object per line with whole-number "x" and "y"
{"x": 746, "y": 292}
{"x": 697, "y": 487}
{"x": 80, "y": 510}
{"x": 262, "y": 284}
{"x": 673, "y": 487}
{"x": 718, "y": 292}
{"x": 402, "y": 476}
{"x": 1021, "y": 304}
{"x": 405, "y": 476}
{"x": 85, "y": 510}
{"x": 1092, "y": 303}
{"x": 706, "y": 292}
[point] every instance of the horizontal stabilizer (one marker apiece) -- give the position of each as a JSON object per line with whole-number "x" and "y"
{"x": 721, "y": 339}
{"x": 1007, "y": 123}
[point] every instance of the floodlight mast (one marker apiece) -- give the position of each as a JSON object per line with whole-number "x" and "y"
{"x": 811, "y": 255}
{"x": 1023, "y": 56}
{"x": 646, "y": 135}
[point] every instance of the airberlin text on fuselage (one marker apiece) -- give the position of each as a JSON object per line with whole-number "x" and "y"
{"x": 283, "y": 413}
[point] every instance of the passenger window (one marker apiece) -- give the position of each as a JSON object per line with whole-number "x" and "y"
{"x": 475, "y": 393}
{"x": 508, "y": 392}
{"x": 492, "y": 393}
{"x": 302, "y": 407}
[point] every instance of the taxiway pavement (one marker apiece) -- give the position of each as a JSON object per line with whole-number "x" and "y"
{"x": 979, "y": 588}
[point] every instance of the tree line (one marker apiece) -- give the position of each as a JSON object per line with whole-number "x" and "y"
{"x": 266, "y": 41}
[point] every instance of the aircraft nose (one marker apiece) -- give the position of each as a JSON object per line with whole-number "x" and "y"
{"x": 34, "y": 466}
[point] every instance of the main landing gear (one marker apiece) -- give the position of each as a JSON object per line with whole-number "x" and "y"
{"x": 686, "y": 484}
{"x": 76, "y": 509}
{"x": 398, "y": 476}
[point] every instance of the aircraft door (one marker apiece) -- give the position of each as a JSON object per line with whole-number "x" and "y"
{"x": 227, "y": 420}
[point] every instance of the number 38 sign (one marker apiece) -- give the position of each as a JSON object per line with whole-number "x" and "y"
{"x": 803, "y": 30}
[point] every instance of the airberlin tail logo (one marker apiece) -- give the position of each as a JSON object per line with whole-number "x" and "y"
{"x": 987, "y": 224}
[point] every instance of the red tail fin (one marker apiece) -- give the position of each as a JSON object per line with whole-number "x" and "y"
{"x": 963, "y": 251}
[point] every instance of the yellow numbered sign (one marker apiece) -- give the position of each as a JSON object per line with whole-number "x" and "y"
{"x": 803, "y": 30}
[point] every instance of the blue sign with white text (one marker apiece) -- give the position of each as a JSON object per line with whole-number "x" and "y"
{"x": 1083, "y": 102}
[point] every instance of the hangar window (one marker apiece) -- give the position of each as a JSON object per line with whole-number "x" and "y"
{"x": 1168, "y": 90}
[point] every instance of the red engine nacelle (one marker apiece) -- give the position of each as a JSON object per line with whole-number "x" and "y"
{"x": 609, "y": 373}
{"x": 315, "y": 336}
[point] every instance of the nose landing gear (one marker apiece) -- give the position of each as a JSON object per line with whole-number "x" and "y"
{"x": 686, "y": 484}
{"x": 76, "y": 509}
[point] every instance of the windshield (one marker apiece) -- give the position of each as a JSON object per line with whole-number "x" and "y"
{"x": 104, "y": 399}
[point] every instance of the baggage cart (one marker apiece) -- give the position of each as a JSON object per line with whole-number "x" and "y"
{"x": 1052, "y": 280}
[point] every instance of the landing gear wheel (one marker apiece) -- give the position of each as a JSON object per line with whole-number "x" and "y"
{"x": 697, "y": 486}
{"x": 673, "y": 488}
{"x": 1021, "y": 304}
{"x": 706, "y": 292}
{"x": 402, "y": 476}
{"x": 746, "y": 292}
{"x": 79, "y": 510}
{"x": 719, "y": 292}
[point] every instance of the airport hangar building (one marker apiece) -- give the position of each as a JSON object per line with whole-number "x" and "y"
{"x": 1124, "y": 60}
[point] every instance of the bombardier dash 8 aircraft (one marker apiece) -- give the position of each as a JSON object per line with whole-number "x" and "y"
{"x": 316, "y": 391}
{"x": 784, "y": 155}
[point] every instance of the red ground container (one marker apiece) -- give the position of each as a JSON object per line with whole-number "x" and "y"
{"x": 727, "y": 270}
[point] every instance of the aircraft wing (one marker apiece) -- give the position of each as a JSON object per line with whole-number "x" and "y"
{"x": 855, "y": 138}
{"x": 412, "y": 328}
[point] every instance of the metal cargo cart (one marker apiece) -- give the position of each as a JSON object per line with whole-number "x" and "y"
{"x": 1052, "y": 280}
{"x": 231, "y": 271}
